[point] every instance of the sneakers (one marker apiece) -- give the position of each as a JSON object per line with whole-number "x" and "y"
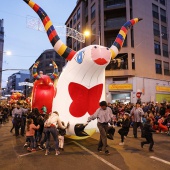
{"x": 40, "y": 147}
{"x": 57, "y": 153}
{"x": 47, "y": 152}
{"x": 29, "y": 149}
{"x": 44, "y": 145}
{"x": 99, "y": 150}
{"x": 26, "y": 144}
{"x": 107, "y": 152}
{"x": 121, "y": 143}
{"x": 33, "y": 150}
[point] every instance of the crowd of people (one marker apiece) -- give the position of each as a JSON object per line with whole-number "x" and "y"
{"x": 38, "y": 127}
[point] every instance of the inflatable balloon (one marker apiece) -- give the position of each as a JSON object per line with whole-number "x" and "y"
{"x": 81, "y": 85}
{"x": 43, "y": 91}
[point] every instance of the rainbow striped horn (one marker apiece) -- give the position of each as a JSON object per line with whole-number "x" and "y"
{"x": 58, "y": 45}
{"x": 55, "y": 73}
{"x": 117, "y": 45}
{"x": 34, "y": 71}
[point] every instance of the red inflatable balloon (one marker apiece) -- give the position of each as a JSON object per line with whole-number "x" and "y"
{"x": 43, "y": 93}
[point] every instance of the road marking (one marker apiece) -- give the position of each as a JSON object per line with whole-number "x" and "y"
{"x": 29, "y": 153}
{"x": 161, "y": 160}
{"x": 98, "y": 157}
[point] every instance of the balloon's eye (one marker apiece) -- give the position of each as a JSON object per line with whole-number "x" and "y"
{"x": 79, "y": 57}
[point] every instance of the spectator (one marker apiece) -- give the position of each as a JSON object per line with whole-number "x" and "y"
{"x": 136, "y": 114}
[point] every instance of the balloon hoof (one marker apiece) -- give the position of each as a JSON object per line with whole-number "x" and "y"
{"x": 79, "y": 130}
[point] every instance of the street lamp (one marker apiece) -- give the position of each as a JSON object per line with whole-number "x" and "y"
{"x": 6, "y": 52}
{"x": 87, "y": 33}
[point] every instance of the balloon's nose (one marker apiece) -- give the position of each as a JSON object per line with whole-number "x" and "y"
{"x": 100, "y": 55}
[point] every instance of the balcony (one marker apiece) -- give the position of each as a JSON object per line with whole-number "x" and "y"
{"x": 114, "y": 4}
{"x": 114, "y": 23}
{"x": 117, "y": 64}
{"x": 119, "y": 73}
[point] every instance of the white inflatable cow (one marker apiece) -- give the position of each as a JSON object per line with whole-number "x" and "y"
{"x": 80, "y": 86}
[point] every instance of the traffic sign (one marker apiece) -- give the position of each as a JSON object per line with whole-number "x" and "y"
{"x": 138, "y": 94}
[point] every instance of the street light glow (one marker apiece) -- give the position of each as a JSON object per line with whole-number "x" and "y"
{"x": 8, "y": 52}
{"x": 87, "y": 33}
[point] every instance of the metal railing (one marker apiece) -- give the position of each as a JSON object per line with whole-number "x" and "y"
{"x": 114, "y": 3}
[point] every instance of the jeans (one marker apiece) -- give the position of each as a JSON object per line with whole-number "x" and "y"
{"x": 32, "y": 140}
{"x": 103, "y": 135}
{"x": 135, "y": 126}
{"x": 53, "y": 131}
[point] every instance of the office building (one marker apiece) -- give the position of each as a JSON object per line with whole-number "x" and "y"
{"x": 14, "y": 80}
{"x": 1, "y": 48}
{"x": 143, "y": 64}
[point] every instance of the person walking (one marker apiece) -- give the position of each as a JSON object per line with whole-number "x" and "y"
{"x": 104, "y": 116}
{"x": 136, "y": 115}
{"x": 17, "y": 114}
{"x": 147, "y": 130}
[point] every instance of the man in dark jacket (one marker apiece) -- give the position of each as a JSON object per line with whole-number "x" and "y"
{"x": 147, "y": 130}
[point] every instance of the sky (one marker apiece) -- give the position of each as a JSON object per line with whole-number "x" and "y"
{"x": 27, "y": 44}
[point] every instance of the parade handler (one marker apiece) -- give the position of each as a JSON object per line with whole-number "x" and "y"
{"x": 104, "y": 117}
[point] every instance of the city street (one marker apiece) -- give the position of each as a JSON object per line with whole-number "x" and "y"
{"x": 83, "y": 154}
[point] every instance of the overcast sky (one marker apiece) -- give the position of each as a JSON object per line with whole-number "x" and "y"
{"x": 27, "y": 44}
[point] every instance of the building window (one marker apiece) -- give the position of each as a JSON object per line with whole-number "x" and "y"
{"x": 156, "y": 29}
{"x": 78, "y": 45}
{"x": 132, "y": 38}
{"x": 164, "y": 32}
{"x": 93, "y": 28}
{"x": 163, "y": 15}
{"x": 155, "y": 11}
{"x": 75, "y": 46}
{"x": 78, "y": 13}
{"x": 49, "y": 56}
{"x": 158, "y": 66}
{"x": 93, "y": 42}
{"x": 157, "y": 48}
{"x": 165, "y": 50}
{"x": 166, "y": 69}
{"x": 71, "y": 25}
{"x": 78, "y": 27}
{"x": 133, "y": 61}
{"x": 162, "y": 2}
{"x": 74, "y": 18}
{"x": 93, "y": 9}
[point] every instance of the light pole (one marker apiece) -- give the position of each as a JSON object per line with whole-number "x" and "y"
{"x": 87, "y": 33}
